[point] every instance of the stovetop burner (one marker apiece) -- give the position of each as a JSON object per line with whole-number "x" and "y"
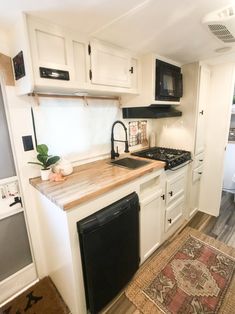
{"x": 172, "y": 157}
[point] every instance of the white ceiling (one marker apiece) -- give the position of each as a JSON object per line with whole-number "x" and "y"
{"x": 171, "y": 28}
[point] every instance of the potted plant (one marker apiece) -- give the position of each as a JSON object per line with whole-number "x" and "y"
{"x": 44, "y": 160}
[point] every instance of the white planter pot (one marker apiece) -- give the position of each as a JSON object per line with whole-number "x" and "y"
{"x": 45, "y": 174}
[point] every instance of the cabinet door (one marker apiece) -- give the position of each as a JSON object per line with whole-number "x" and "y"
{"x": 175, "y": 187}
{"x": 150, "y": 224}
{"x": 49, "y": 46}
{"x": 195, "y": 190}
{"x": 202, "y": 102}
{"x": 174, "y": 213}
{"x": 110, "y": 65}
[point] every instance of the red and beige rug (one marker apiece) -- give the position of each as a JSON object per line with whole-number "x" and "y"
{"x": 193, "y": 274}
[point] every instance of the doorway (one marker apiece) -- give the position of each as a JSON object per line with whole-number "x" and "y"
{"x": 17, "y": 268}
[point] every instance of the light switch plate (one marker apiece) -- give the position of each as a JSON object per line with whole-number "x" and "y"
{"x": 27, "y": 142}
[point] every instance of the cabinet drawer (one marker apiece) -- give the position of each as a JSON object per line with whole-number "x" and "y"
{"x": 174, "y": 213}
{"x": 175, "y": 187}
{"x": 198, "y": 160}
{"x": 197, "y": 173}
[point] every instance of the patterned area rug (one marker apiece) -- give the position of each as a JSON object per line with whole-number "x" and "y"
{"x": 194, "y": 274}
{"x": 41, "y": 298}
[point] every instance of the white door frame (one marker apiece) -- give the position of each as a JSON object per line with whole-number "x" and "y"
{"x": 27, "y": 275}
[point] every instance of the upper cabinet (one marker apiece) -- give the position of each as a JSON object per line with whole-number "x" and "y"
{"x": 64, "y": 62}
{"x": 110, "y": 65}
{"x": 58, "y": 60}
{"x": 161, "y": 83}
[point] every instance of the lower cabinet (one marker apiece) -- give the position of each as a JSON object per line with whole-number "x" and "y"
{"x": 158, "y": 220}
{"x": 175, "y": 200}
{"x": 174, "y": 213}
{"x": 150, "y": 223}
{"x": 195, "y": 191}
{"x": 195, "y": 182}
{"x": 162, "y": 209}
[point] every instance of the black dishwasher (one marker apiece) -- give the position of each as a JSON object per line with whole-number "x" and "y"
{"x": 109, "y": 243}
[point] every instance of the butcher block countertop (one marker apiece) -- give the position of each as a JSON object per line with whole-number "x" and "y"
{"x": 91, "y": 180}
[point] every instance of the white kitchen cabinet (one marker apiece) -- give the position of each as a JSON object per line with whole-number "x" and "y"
{"x": 174, "y": 213}
{"x": 175, "y": 200}
{"x": 150, "y": 223}
{"x": 196, "y": 78}
{"x": 146, "y": 95}
{"x": 203, "y": 93}
{"x": 197, "y": 169}
{"x": 59, "y": 233}
{"x": 97, "y": 68}
{"x": 175, "y": 187}
{"x": 110, "y": 65}
{"x": 51, "y": 47}
{"x": 195, "y": 191}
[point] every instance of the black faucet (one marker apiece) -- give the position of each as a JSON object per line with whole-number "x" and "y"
{"x": 113, "y": 153}
{"x": 17, "y": 200}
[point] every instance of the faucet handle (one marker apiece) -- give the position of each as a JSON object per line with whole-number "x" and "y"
{"x": 126, "y": 147}
{"x": 117, "y": 153}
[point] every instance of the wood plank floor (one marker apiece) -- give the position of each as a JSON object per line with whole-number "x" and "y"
{"x": 221, "y": 228}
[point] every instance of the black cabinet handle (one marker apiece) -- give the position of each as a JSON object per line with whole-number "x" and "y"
{"x": 200, "y": 159}
{"x": 131, "y": 70}
{"x": 200, "y": 172}
{"x": 163, "y": 196}
{"x": 170, "y": 220}
{"x": 201, "y": 112}
{"x": 171, "y": 193}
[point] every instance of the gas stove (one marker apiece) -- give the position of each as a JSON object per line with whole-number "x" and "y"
{"x": 172, "y": 157}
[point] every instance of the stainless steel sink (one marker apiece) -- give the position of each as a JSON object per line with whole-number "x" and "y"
{"x": 130, "y": 163}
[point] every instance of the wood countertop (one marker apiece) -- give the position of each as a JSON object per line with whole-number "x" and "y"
{"x": 91, "y": 180}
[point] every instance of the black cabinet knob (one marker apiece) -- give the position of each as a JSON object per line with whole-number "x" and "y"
{"x": 170, "y": 220}
{"x": 171, "y": 193}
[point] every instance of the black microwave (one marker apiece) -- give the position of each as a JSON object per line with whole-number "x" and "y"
{"x": 169, "y": 82}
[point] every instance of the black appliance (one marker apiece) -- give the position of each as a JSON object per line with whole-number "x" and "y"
{"x": 172, "y": 157}
{"x": 54, "y": 74}
{"x": 19, "y": 67}
{"x": 151, "y": 112}
{"x": 168, "y": 82}
{"x": 109, "y": 243}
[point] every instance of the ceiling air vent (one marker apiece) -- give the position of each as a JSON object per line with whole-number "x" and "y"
{"x": 222, "y": 33}
{"x": 221, "y": 23}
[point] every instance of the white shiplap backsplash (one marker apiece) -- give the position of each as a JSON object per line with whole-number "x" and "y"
{"x": 74, "y": 130}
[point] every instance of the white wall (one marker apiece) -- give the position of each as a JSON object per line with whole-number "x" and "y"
{"x": 173, "y": 132}
{"x": 4, "y": 42}
{"x": 216, "y": 137}
{"x": 74, "y": 130}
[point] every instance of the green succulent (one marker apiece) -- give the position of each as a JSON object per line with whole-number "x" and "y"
{"x": 45, "y": 160}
